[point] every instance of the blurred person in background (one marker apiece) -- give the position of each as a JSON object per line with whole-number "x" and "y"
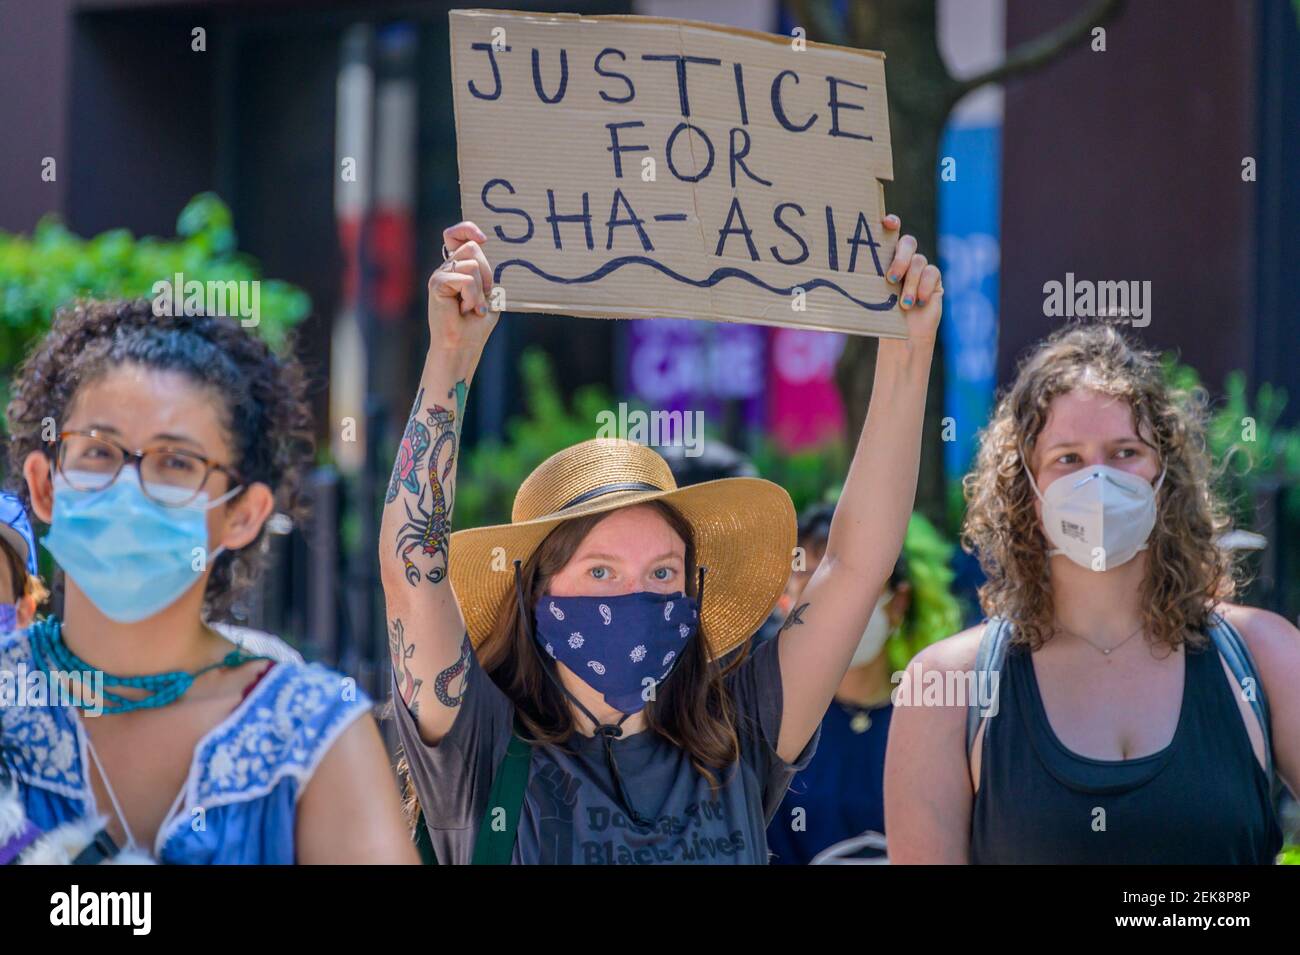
{"x": 1125, "y": 708}
{"x": 21, "y": 588}
{"x": 715, "y": 461}
{"x": 840, "y": 794}
{"x": 175, "y": 437}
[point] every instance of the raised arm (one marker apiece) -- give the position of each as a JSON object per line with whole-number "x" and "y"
{"x": 426, "y": 633}
{"x": 818, "y": 638}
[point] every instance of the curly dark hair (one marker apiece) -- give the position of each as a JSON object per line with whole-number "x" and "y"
{"x": 261, "y": 396}
{"x": 1188, "y": 573}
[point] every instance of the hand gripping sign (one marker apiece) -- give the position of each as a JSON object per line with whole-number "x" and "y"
{"x": 637, "y": 167}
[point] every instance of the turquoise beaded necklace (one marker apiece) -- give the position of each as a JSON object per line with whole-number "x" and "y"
{"x": 53, "y": 656}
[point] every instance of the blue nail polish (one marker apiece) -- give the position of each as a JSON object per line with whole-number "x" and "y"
{"x": 482, "y": 309}
{"x": 907, "y": 300}
{"x": 892, "y": 277}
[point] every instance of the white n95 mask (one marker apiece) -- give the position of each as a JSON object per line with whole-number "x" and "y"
{"x": 1099, "y": 516}
{"x": 877, "y": 632}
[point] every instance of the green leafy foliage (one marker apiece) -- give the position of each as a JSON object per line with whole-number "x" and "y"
{"x": 934, "y": 612}
{"x": 811, "y": 476}
{"x": 1248, "y": 444}
{"x": 1290, "y": 856}
{"x": 491, "y": 471}
{"x": 1255, "y": 457}
{"x": 51, "y": 267}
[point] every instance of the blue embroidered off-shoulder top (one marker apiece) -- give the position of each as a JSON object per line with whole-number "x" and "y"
{"x": 238, "y": 801}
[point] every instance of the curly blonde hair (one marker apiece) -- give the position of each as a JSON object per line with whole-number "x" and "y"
{"x": 1187, "y": 573}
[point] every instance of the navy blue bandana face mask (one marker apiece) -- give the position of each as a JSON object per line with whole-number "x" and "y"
{"x": 622, "y": 647}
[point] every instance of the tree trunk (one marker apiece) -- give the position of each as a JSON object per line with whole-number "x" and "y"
{"x": 918, "y": 86}
{"x": 921, "y": 94}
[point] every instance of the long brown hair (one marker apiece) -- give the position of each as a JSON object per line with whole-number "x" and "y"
{"x": 1187, "y": 572}
{"x": 693, "y": 708}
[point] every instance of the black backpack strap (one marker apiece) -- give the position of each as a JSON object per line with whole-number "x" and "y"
{"x": 497, "y": 833}
{"x": 988, "y": 663}
{"x": 1232, "y": 647}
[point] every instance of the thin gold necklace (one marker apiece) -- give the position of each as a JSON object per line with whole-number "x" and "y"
{"x": 1104, "y": 650}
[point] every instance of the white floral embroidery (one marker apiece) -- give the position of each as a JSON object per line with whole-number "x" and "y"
{"x": 605, "y": 613}
{"x": 684, "y": 630}
{"x": 550, "y": 649}
{"x": 638, "y": 653}
{"x": 41, "y": 740}
{"x": 597, "y": 666}
{"x": 556, "y": 612}
{"x": 281, "y": 731}
{"x": 285, "y": 733}
{"x": 668, "y": 658}
{"x": 575, "y": 640}
{"x": 668, "y": 609}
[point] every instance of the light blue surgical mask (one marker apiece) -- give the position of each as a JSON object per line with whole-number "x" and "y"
{"x": 129, "y": 555}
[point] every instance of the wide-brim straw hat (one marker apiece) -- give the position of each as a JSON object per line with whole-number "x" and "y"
{"x": 744, "y": 531}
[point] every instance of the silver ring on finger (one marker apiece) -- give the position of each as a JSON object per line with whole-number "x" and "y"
{"x": 449, "y": 260}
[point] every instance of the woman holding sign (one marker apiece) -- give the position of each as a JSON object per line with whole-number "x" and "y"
{"x": 1124, "y": 710}
{"x": 573, "y": 687}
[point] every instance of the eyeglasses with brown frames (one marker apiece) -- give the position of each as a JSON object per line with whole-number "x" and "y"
{"x": 172, "y": 477}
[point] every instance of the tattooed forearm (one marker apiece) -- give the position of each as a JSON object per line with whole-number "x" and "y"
{"x": 422, "y": 476}
{"x": 458, "y": 669}
{"x": 408, "y": 684}
{"x": 459, "y": 390}
{"x": 415, "y": 442}
{"x": 795, "y": 618}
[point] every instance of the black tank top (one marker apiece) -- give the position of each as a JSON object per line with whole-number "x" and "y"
{"x": 1202, "y": 800}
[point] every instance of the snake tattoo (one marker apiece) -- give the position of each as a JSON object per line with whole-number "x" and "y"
{"x": 459, "y": 668}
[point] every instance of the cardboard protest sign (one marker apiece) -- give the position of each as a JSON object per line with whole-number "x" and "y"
{"x": 639, "y": 167}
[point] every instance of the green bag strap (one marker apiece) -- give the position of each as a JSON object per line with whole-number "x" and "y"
{"x": 493, "y": 846}
{"x": 423, "y": 844}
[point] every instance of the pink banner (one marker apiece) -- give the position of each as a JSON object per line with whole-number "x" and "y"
{"x": 804, "y": 406}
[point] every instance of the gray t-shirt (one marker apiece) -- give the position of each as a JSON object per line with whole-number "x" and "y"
{"x": 571, "y": 812}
